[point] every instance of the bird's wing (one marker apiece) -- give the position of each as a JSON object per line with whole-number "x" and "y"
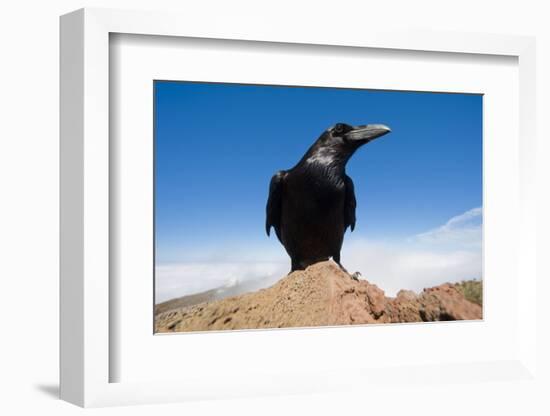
{"x": 274, "y": 203}
{"x": 350, "y": 204}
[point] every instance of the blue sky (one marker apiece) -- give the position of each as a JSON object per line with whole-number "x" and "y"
{"x": 217, "y": 146}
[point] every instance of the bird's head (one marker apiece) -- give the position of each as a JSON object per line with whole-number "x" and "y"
{"x": 346, "y": 136}
{"x": 338, "y": 143}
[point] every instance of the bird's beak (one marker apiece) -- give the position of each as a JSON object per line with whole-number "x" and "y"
{"x": 365, "y": 134}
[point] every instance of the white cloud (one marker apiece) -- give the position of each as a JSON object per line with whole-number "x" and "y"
{"x": 464, "y": 230}
{"x": 451, "y": 252}
{"x": 403, "y": 266}
{"x": 175, "y": 280}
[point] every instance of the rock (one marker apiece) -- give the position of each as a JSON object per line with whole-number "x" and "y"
{"x": 377, "y": 300}
{"x": 406, "y": 295}
{"x": 321, "y": 295}
{"x": 446, "y": 303}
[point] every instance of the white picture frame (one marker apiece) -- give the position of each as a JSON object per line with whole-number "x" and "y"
{"x": 86, "y": 261}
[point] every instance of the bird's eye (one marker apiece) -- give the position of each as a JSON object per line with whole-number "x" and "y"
{"x": 339, "y": 128}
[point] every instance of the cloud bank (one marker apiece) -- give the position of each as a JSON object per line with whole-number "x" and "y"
{"x": 175, "y": 280}
{"x": 449, "y": 253}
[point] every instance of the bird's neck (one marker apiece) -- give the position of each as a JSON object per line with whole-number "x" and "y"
{"x": 327, "y": 160}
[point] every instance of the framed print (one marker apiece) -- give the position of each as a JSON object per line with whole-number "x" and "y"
{"x": 211, "y": 182}
{"x": 311, "y": 205}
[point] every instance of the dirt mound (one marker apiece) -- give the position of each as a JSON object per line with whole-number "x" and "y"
{"x": 318, "y": 296}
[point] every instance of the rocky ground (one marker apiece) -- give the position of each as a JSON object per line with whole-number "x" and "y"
{"x": 318, "y": 296}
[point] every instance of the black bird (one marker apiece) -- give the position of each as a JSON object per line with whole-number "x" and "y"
{"x": 311, "y": 205}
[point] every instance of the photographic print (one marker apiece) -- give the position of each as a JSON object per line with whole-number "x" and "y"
{"x": 289, "y": 206}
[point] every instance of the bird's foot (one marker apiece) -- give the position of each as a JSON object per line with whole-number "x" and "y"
{"x": 356, "y": 276}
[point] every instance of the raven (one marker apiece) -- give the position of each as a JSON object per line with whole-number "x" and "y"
{"x": 311, "y": 205}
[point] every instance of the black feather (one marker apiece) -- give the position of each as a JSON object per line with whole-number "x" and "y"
{"x": 274, "y": 203}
